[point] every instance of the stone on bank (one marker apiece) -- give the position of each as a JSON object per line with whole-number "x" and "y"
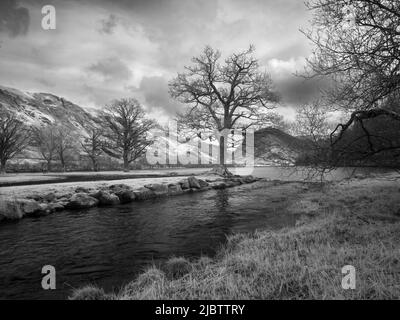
{"x": 158, "y": 189}
{"x": 81, "y": 201}
{"x": 107, "y": 199}
{"x": 144, "y": 193}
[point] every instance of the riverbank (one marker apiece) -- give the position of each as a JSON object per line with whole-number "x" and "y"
{"x": 352, "y": 222}
{"x": 24, "y": 179}
{"x": 41, "y": 200}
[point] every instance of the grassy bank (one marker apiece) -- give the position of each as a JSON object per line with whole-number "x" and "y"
{"x": 355, "y": 222}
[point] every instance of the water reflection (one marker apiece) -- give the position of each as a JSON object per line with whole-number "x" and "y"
{"x": 221, "y": 200}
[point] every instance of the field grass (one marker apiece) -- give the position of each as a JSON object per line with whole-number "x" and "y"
{"x": 349, "y": 223}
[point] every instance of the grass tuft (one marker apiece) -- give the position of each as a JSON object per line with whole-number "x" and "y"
{"x": 177, "y": 267}
{"x": 90, "y": 293}
{"x": 147, "y": 285}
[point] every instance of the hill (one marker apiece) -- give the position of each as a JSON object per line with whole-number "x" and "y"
{"x": 275, "y": 147}
{"x": 39, "y": 109}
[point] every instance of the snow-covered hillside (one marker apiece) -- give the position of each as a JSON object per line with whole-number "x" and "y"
{"x": 39, "y": 109}
{"x": 275, "y": 147}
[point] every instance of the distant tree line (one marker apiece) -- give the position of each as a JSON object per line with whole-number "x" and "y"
{"x": 371, "y": 142}
{"x": 13, "y": 138}
{"x": 121, "y": 131}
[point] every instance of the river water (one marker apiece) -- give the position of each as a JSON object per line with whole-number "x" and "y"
{"x": 110, "y": 246}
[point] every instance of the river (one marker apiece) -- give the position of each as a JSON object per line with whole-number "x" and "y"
{"x": 110, "y": 246}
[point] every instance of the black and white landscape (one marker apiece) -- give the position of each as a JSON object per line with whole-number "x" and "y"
{"x": 199, "y": 150}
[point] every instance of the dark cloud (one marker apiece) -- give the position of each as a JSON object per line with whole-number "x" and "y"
{"x": 177, "y": 27}
{"x": 297, "y": 90}
{"x": 155, "y": 92}
{"x": 111, "y": 69}
{"x": 14, "y": 20}
{"x": 108, "y": 25}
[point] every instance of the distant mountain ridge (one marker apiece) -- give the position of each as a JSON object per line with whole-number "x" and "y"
{"x": 40, "y": 109}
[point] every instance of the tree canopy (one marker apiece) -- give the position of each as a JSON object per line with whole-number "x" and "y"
{"x": 357, "y": 47}
{"x": 231, "y": 94}
{"x": 126, "y": 130}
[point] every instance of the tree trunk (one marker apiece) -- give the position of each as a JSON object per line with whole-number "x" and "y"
{"x": 126, "y": 163}
{"x": 62, "y": 160}
{"x": 221, "y": 168}
{"x": 3, "y": 166}
{"x": 222, "y": 147}
{"x": 95, "y": 165}
{"x": 48, "y": 165}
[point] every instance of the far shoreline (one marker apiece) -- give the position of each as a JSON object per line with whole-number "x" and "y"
{"x": 16, "y": 179}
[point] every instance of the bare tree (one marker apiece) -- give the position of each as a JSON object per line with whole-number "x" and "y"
{"x": 92, "y": 145}
{"x": 311, "y": 124}
{"x": 126, "y": 130}
{"x": 13, "y": 138}
{"x": 235, "y": 94}
{"x": 64, "y": 145}
{"x": 357, "y": 47}
{"x": 311, "y": 121}
{"x": 44, "y": 139}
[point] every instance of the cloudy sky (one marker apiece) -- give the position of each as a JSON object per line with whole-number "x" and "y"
{"x": 103, "y": 50}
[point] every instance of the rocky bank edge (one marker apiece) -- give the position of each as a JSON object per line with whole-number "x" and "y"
{"x": 83, "y": 198}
